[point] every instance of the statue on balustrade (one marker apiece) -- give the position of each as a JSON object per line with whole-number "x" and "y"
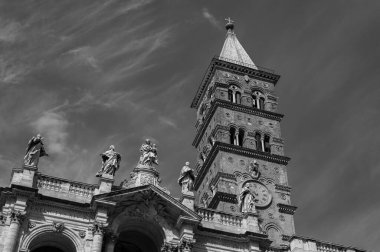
{"x": 110, "y": 162}
{"x": 149, "y": 155}
{"x": 34, "y": 151}
{"x": 186, "y": 178}
{"x": 247, "y": 200}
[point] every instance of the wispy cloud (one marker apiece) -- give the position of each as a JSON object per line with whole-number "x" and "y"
{"x": 211, "y": 18}
{"x": 54, "y": 126}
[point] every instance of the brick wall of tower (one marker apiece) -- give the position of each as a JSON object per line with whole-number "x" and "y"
{"x": 221, "y": 184}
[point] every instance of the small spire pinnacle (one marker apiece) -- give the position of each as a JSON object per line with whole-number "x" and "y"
{"x": 230, "y": 24}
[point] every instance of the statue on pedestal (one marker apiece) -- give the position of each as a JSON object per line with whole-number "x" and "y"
{"x": 149, "y": 155}
{"x": 110, "y": 162}
{"x": 247, "y": 200}
{"x": 186, "y": 178}
{"x": 34, "y": 151}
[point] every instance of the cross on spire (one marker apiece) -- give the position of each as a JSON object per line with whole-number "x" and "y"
{"x": 229, "y": 20}
{"x": 230, "y": 24}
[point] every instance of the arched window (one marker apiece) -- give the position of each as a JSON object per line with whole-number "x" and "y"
{"x": 266, "y": 144}
{"x": 258, "y": 100}
{"x": 234, "y": 94}
{"x": 232, "y": 135}
{"x": 238, "y": 97}
{"x": 259, "y": 145}
{"x": 261, "y": 103}
{"x": 241, "y": 137}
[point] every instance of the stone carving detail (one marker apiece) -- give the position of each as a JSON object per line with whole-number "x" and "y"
{"x": 16, "y": 216}
{"x": 34, "y": 151}
{"x": 148, "y": 154}
{"x": 58, "y": 227}
{"x": 31, "y": 225}
{"x": 204, "y": 199}
{"x": 97, "y": 228}
{"x": 186, "y": 245}
{"x": 254, "y": 169}
{"x": 169, "y": 247}
{"x": 82, "y": 234}
{"x": 3, "y": 219}
{"x": 186, "y": 178}
{"x": 247, "y": 200}
{"x": 110, "y": 162}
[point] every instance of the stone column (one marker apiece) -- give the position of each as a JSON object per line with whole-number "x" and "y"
{"x": 16, "y": 219}
{"x": 97, "y": 242}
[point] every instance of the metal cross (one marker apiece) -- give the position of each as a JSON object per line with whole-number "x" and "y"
{"x": 229, "y": 20}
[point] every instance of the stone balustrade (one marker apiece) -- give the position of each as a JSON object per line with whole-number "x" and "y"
{"x": 227, "y": 222}
{"x": 65, "y": 189}
{"x": 302, "y": 244}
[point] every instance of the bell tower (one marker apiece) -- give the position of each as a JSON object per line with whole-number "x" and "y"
{"x": 241, "y": 165}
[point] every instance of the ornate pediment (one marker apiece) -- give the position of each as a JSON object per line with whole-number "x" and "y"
{"x": 147, "y": 202}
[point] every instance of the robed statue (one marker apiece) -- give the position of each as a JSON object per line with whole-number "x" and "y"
{"x": 186, "y": 178}
{"x": 148, "y": 154}
{"x": 247, "y": 200}
{"x": 110, "y": 162}
{"x": 34, "y": 151}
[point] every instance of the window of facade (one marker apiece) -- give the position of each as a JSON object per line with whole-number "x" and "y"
{"x": 232, "y": 135}
{"x": 241, "y": 137}
{"x": 266, "y": 144}
{"x": 258, "y": 100}
{"x": 259, "y": 145}
{"x": 234, "y": 94}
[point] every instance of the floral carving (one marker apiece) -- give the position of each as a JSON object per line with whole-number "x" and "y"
{"x": 31, "y": 225}
{"x": 58, "y": 227}
{"x": 82, "y": 234}
{"x": 169, "y": 247}
{"x": 97, "y": 228}
{"x": 186, "y": 245}
{"x": 16, "y": 216}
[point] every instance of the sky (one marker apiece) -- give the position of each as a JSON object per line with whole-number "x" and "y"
{"x": 88, "y": 74}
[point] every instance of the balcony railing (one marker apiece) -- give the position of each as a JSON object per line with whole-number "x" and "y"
{"x": 217, "y": 217}
{"x": 63, "y": 188}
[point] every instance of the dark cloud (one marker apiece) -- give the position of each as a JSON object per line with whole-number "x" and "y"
{"x": 87, "y": 74}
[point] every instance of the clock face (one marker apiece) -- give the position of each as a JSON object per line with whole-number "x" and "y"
{"x": 260, "y": 192}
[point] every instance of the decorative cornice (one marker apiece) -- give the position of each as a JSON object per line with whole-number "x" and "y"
{"x": 283, "y": 188}
{"x": 285, "y": 237}
{"x": 222, "y": 175}
{"x": 288, "y": 209}
{"x": 219, "y": 146}
{"x": 222, "y": 196}
{"x": 217, "y": 63}
{"x": 235, "y": 107}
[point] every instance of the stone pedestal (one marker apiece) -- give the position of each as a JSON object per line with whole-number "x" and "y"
{"x": 24, "y": 176}
{"x": 143, "y": 175}
{"x": 105, "y": 184}
{"x": 187, "y": 199}
{"x": 251, "y": 222}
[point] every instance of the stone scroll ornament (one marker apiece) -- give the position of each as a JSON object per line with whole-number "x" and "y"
{"x": 186, "y": 178}
{"x": 34, "y": 151}
{"x": 110, "y": 162}
{"x": 149, "y": 154}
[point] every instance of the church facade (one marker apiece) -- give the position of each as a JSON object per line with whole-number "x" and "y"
{"x": 237, "y": 197}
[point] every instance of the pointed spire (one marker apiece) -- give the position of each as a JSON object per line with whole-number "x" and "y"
{"x": 232, "y": 50}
